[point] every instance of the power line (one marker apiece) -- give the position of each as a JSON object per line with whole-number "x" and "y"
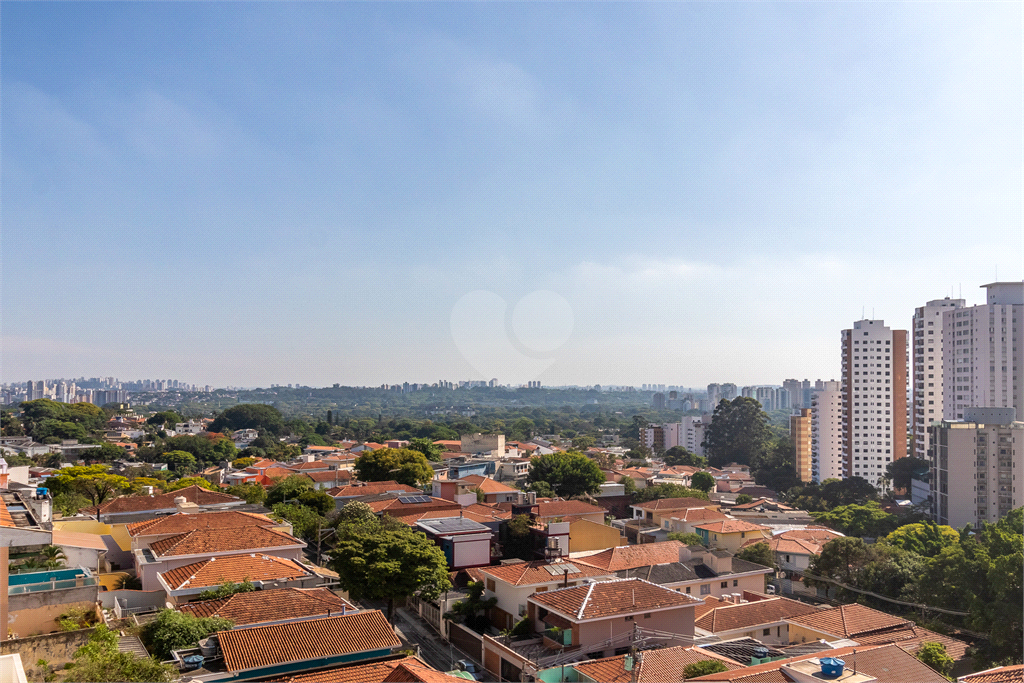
{"x": 887, "y": 599}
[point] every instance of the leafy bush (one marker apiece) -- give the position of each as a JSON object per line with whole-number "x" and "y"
{"x": 708, "y": 666}
{"x": 173, "y": 630}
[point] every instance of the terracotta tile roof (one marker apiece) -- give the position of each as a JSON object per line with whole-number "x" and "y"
{"x": 359, "y": 673}
{"x": 414, "y": 517}
{"x": 450, "y": 444}
{"x": 410, "y": 672}
{"x": 486, "y": 484}
{"x": 394, "y": 506}
{"x": 5, "y": 516}
{"x": 236, "y": 569}
{"x": 849, "y": 621}
{"x": 656, "y": 666}
{"x": 608, "y": 598}
{"x": 263, "y": 464}
{"x": 201, "y": 541}
{"x": 180, "y": 522}
{"x": 263, "y": 646}
{"x": 488, "y": 510}
{"x": 729, "y": 617}
{"x": 276, "y": 472}
{"x": 165, "y": 501}
{"x": 330, "y": 475}
{"x": 276, "y": 604}
{"x": 74, "y": 539}
{"x": 731, "y": 526}
{"x": 674, "y": 504}
{"x": 1000, "y": 674}
{"x": 531, "y": 573}
{"x": 633, "y": 556}
{"x": 322, "y": 449}
{"x": 559, "y": 508}
{"x": 698, "y": 515}
{"x": 372, "y": 489}
{"x": 308, "y": 466}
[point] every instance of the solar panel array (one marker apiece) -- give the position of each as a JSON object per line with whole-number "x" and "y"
{"x": 561, "y": 568}
{"x": 411, "y": 500}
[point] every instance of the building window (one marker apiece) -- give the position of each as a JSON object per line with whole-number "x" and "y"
{"x": 725, "y": 584}
{"x": 687, "y": 589}
{"x": 766, "y": 632}
{"x": 735, "y": 582}
{"x": 647, "y": 616}
{"x": 705, "y": 589}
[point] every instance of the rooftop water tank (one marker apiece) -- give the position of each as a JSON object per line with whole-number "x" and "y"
{"x": 760, "y": 652}
{"x": 42, "y": 492}
{"x": 832, "y": 667}
{"x": 192, "y": 662}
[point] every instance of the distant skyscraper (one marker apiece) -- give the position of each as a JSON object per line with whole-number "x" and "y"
{"x": 827, "y": 431}
{"x": 983, "y": 356}
{"x": 800, "y": 435}
{"x": 796, "y": 394}
{"x": 875, "y": 398}
{"x": 927, "y": 368}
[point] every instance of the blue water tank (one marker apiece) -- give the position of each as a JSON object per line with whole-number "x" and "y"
{"x": 832, "y": 667}
{"x": 192, "y": 661}
{"x": 42, "y": 492}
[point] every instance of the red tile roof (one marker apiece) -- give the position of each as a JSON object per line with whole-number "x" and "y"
{"x": 181, "y": 522}
{"x": 395, "y": 506}
{"x": 360, "y": 673}
{"x": 372, "y": 489}
{"x": 5, "y": 516}
{"x": 202, "y": 541}
{"x": 276, "y": 604}
{"x": 264, "y": 646}
{"x": 633, "y": 556}
{"x": 609, "y": 598}
{"x": 165, "y": 501}
{"x": 731, "y": 526}
{"x": 674, "y": 504}
{"x": 560, "y": 508}
{"x": 1000, "y": 674}
{"x": 532, "y": 573}
{"x": 336, "y": 476}
{"x": 656, "y": 666}
{"x": 236, "y": 569}
{"x": 309, "y": 465}
{"x": 486, "y": 484}
{"x": 729, "y": 617}
{"x": 419, "y": 673}
{"x": 693, "y": 515}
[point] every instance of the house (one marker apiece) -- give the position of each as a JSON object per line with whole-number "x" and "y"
{"x": 282, "y": 649}
{"x": 653, "y": 511}
{"x": 868, "y": 626}
{"x": 883, "y": 664}
{"x": 265, "y": 571}
{"x": 558, "y": 510}
{"x": 205, "y": 543}
{"x": 465, "y": 543}
{"x": 512, "y": 582}
{"x": 493, "y": 491}
{"x": 764, "y": 619}
{"x": 144, "y": 534}
{"x": 512, "y": 468}
{"x": 308, "y": 467}
{"x": 633, "y": 556}
{"x": 486, "y": 515}
{"x": 586, "y": 535}
{"x": 685, "y": 521}
{"x": 332, "y": 478}
{"x": 191, "y": 427}
{"x": 82, "y": 550}
{"x": 135, "y": 508}
{"x": 35, "y": 600}
{"x": 702, "y": 572}
{"x": 401, "y": 505}
{"x": 344, "y": 493}
{"x": 1000, "y": 674}
{"x": 731, "y": 534}
{"x": 648, "y": 666}
{"x": 395, "y": 669}
{"x": 793, "y": 548}
{"x": 275, "y": 604}
{"x": 599, "y": 617}
{"x": 461, "y": 468}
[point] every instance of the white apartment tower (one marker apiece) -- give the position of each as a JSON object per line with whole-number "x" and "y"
{"x": 827, "y": 460}
{"x": 927, "y": 368}
{"x": 874, "y": 398}
{"x": 984, "y": 353}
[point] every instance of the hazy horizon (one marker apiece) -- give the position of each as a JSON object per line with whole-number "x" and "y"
{"x": 249, "y": 194}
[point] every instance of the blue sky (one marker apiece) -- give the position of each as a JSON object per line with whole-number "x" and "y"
{"x": 248, "y": 193}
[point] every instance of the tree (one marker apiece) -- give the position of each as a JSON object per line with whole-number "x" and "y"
{"x": 91, "y": 481}
{"x": 774, "y": 466}
{"x": 840, "y": 559}
{"x": 902, "y": 470}
{"x": 859, "y": 520}
{"x": 703, "y": 481}
{"x": 173, "y": 630}
{"x": 659, "y": 491}
{"x": 68, "y": 504}
{"x": 252, "y": 493}
{"x": 227, "y": 589}
{"x": 398, "y": 464}
{"x": 569, "y": 473}
{"x": 542, "y": 489}
{"x": 54, "y": 555}
{"x": 242, "y": 463}
{"x": 703, "y": 668}
{"x": 381, "y": 562}
{"x": 934, "y": 655}
{"x": 582, "y": 443}
{"x": 181, "y": 462}
{"x": 165, "y": 418}
{"x": 738, "y": 432}
{"x": 743, "y": 499}
{"x": 305, "y": 521}
{"x": 262, "y": 418}
{"x": 99, "y": 661}
{"x": 523, "y": 429}
{"x": 926, "y": 538}
{"x": 189, "y": 481}
{"x": 468, "y": 609}
{"x": 677, "y": 455}
{"x": 516, "y": 539}
{"x": 758, "y": 553}
{"x": 128, "y": 583}
{"x": 689, "y": 538}
{"x": 431, "y": 450}
{"x": 357, "y": 513}
{"x": 288, "y": 489}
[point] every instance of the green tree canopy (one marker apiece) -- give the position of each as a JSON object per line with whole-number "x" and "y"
{"x": 227, "y": 589}
{"x": 567, "y": 472}
{"x": 256, "y": 416}
{"x": 250, "y": 492}
{"x": 934, "y": 655}
{"x": 859, "y": 520}
{"x": 382, "y": 561}
{"x": 189, "y": 481}
{"x": 703, "y": 481}
{"x": 677, "y": 455}
{"x": 173, "y": 630}
{"x": 659, "y": 491}
{"x": 902, "y": 470}
{"x": 689, "y": 538}
{"x": 289, "y": 489}
{"x": 398, "y": 464}
{"x": 743, "y": 499}
{"x": 99, "y": 661}
{"x": 758, "y": 553}
{"x": 165, "y": 418}
{"x": 182, "y": 462}
{"x": 926, "y": 538}
{"x": 92, "y": 481}
{"x": 738, "y": 432}
{"x": 703, "y": 668}
{"x": 427, "y": 447}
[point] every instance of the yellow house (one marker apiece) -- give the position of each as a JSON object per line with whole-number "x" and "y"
{"x": 585, "y": 534}
{"x": 731, "y": 534}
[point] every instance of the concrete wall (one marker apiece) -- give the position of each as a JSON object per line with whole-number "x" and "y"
{"x": 585, "y": 534}
{"x": 481, "y": 443}
{"x": 56, "y": 648}
{"x": 36, "y": 613}
{"x": 671, "y": 621}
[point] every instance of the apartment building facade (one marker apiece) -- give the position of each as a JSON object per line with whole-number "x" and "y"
{"x": 928, "y": 389}
{"x": 827, "y": 461}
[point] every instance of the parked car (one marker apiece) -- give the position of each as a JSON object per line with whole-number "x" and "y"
{"x": 470, "y": 668}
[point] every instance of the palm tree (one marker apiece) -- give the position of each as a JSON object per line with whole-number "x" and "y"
{"x": 54, "y": 555}
{"x": 128, "y": 583}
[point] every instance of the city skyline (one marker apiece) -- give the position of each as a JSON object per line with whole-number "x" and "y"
{"x": 256, "y": 194}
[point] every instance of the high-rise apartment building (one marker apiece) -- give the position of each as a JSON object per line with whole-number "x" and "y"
{"x": 800, "y": 435}
{"x": 927, "y": 366}
{"x": 983, "y": 353}
{"x": 691, "y": 434}
{"x": 827, "y": 460}
{"x": 796, "y": 393}
{"x": 874, "y": 398}
{"x": 974, "y": 464}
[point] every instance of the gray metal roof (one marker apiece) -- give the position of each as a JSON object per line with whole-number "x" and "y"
{"x": 450, "y": 525}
